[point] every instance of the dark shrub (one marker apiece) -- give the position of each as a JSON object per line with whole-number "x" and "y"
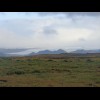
{"x": 70, "y": 61}
{"x": 10, "y": 73}
{"x": 18, "y": 72}
{"x": 65, "y": 61}
{"x": 91, "y": 85}
{"x": 29, "y": 60}
{"x": 18, "y": 60}
{"x": 30, "y": 64}
{"x": 3, "y": 80}
{"x": 50, "y": 60}
{"x": 36, "y": 71}
{"x": 89, "y": 60}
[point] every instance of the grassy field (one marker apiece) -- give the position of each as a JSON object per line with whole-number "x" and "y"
{"x": 50, "y": 72}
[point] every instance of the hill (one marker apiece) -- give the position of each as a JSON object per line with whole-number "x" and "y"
{"x": 49, "y": 52}
{"x": 86, "y": 51}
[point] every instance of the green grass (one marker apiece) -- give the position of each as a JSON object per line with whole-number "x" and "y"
{"x": 47, "y": 72}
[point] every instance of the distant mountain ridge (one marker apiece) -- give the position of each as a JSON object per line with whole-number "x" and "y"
{"x": 86, "y": 51}
{"x": 9, "y": 52}
{"x": 49, "y": 52}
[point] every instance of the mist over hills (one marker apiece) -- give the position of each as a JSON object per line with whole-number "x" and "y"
{"x": 11, "y": 50}
{"x": 17, "y": 52}
{"x": 14, "y": 52}
{"x": 6, "y": 52}
{"x": 86, "y": 51}
{"x": 48, "y": 52}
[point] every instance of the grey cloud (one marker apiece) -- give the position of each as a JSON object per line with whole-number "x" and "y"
{"x": 84, "y": 13}
{"x": 82, "y": 39}
{"x": 58, "y": 13}
{"x": 70, "y": 13}
{"x": 49, "y": 30}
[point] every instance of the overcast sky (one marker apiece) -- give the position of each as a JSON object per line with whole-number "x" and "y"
{"x": 50, "y": 30}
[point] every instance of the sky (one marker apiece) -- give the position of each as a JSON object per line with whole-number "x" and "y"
{"x": 50, "y": 30}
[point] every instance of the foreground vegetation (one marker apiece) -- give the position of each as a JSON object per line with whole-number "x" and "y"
{"x": 50, "y": 72}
